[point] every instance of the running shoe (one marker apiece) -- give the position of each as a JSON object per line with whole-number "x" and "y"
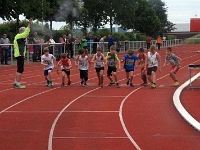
{"x": 176, "y": 83}
{"x": 19, "y": 86}
{"x": 131, "y": 84}
{"x": 81, "y": 83}
{"x": 47, "y": 84}
{"x": 117, "y": 85}
{"x": 111, "y": 83}
{"x": 63, "y": 84}
{"x": 69, "y": 83}
{"x": 101, "y": 85}
{"x": 85, "y": 85}
{"x": 153, "y": 86}
{"x": 50, "y": 84}
{"x": 143, "y": 84}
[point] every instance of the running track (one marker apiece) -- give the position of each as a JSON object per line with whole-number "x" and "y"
{"x": 93, "y": 118}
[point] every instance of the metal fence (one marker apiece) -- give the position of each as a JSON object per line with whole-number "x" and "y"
{"x": 125, "y": 45}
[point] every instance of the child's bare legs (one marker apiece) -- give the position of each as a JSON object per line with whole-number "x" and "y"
{"x": 131, "y": 76}
{"x": 173, "y": 76}
{"x": 144, "y": 77}
{"x": 101, "y": 76}
{"x": 115, "y": 76}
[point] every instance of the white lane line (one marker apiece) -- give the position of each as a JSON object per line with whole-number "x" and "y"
{"x": 122, "y": 121}
{"x": 103, "y": 96}
{"x": 183, "y": 112}
{"x": 50, "y": 142}
{"x": 63, "y": 112}
{"x": 90, "y": 137}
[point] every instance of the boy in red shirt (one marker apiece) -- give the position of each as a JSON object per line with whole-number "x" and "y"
{"x": 65, "y": 64}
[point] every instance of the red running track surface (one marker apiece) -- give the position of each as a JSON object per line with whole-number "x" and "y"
{"x": 93, "y": 118}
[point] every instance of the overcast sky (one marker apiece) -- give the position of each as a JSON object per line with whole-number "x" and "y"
{"x": 179, "y": 11}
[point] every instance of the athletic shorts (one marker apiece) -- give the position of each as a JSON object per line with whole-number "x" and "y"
{"x": 20, "y": 64}
{"x": 46, "y": 72}
{"x": 129, "y": 70}
{"x": 99, "y": 69}
{"x": 175, "y": 69}
{"x": 110, "y": 70}
{"x": 149, "y": 70}
{"x": 66, "y": 71}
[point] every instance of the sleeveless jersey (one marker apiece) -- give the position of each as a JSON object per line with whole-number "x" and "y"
{"x": 65, "y": 63}
{"x": 99, "y": 61}
{"x": 112, "y": 59}
{"x": 141, "y": 58}
{"x": 152, "y": 60}
{"x": 83, "y": 63}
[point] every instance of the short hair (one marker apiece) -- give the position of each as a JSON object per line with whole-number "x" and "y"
{"x": 112, "y": 48}
{"x": 169, "y": 49}
{"x": 82, "y": 51}
{"x": 141, "y": 49}
{"x": 99, "y": 49}
{"x": 46, "y": 49}
{"x": 63, "y": 55}
{"x": 153, "y": 47}
{"x": 130, "y": 52}
{"x": 22, "y": 29}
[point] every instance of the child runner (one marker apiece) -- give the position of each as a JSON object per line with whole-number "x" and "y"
{"x": 129, "y": 65}
{"x": 48, "y": 60}
{"x": 175, "y": 63}
{"x": 153, "y": 65}
{"x": 112, "y": 67}
{"x": 83, "y": 64}
{"x": 99, "y": 61}
{"x": 142, "y": 57}
{"x": 66, "y": 65}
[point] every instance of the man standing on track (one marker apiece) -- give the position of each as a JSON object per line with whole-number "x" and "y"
{"x": 19, "y": 53}
{"x": 154, "y": 60}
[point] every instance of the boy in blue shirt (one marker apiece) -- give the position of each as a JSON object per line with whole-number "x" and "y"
{"x": 129, "y": 66}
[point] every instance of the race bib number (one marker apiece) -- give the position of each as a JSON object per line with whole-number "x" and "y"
{"x": 48, "y": 62}
{"x": 99, "y": 64}
{"x": 81, "y": 63}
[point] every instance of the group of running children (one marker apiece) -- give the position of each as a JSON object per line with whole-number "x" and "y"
{"x": 149, "y": 64}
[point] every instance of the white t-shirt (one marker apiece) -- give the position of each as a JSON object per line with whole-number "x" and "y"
{"x": 99, "y": 61}
{"x": 52, "y": 41}
{"x": 83, "y": 63}
{"x": 48, "y": 60}
{"x": 152, "y": 59}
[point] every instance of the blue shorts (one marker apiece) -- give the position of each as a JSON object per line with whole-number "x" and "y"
{"x": 46, "y": 72}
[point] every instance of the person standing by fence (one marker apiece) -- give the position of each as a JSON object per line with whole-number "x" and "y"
{"x": 159, "y": 42}
{"x": 5, "y": 49}
{"x": 148, "y": 41}
{"x": 19, "y": 53}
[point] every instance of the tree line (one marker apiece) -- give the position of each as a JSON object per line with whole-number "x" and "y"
{"x": 145, "y": 16}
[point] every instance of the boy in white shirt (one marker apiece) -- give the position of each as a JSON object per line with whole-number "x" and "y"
{"x": 48, "y": 61}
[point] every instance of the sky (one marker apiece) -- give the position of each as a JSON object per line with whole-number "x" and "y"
{"x": 179, "y": 11}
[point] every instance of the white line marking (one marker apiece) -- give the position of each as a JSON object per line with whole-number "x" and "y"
{"x": 90, "y": 137}
{"x": 50, "y": 142}
{"x": 63, "y": 112}
{"x": 122, "y": 121}
{"x": 102, "y": 96}
{"x": 181, "y": 109}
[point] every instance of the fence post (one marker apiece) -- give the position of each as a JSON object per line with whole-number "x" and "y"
{"x": 11, "y": 55}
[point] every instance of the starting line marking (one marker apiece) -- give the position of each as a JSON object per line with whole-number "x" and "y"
{"x": 90, "y": 137}
{"x": 181, "y": 109}
{"x": 63, "y": 112}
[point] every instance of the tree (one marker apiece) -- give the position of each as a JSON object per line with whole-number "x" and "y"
{"x": 161, "y": 11}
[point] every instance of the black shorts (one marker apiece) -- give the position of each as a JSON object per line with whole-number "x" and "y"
{"x": 20, "y": 64}
{"x": 99, "y": 69}
{"x": 110, "y": 70}
{"x": 66, "y": 71}
{"x": 84, "y": 74}
{"x": 129, "y": 70}
{"x": 149, "y": 70}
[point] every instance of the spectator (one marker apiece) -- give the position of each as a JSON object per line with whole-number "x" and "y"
{"x": 51, "y": 42}
{"x": 164, "y": 40}
{"x": 118, "y": 45}
{"x": 71, "y": 44}
{"x": 110, "y": 41}
{"x": 95, "y": 45}
{"x": 159, "y": 42}
{"x": 36, "y": 47}
{"x": 5, "y": 49}
{"x": 101, "y": 42}
{"x": 148, "y": 41}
